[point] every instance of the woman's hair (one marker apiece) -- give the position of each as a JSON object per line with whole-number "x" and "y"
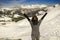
{"x": 34, "y": 20}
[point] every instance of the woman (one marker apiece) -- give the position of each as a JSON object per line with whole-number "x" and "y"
{"x": 35, "y": 26}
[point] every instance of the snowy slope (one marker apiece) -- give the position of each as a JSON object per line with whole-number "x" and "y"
{"x": 49, "y": 29}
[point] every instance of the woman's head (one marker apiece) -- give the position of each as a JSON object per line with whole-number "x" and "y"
{"x": 35, "y": 20}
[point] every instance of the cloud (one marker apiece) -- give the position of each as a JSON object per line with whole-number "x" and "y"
{"x": 11, "y": 2}
{"x": 19, "y": 0}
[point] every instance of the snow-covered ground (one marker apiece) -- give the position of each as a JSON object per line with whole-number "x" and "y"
{"x": 49, "y": 28}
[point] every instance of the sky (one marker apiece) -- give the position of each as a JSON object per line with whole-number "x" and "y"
{"x": 26, "y": 2}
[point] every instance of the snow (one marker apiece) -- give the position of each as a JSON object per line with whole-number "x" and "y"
{"x": 41, "y": 12}
{"x": 51, "y": 25}
{"x": 33, "y": 6}
{"x": 49, "y": 28}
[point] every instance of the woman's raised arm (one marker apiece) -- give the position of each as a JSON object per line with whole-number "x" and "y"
{"x": 42, "y": 18}
{"x": 26, "y": 17}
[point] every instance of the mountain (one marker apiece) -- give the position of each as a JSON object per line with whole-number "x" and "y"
{"x": 49, "y": 28}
